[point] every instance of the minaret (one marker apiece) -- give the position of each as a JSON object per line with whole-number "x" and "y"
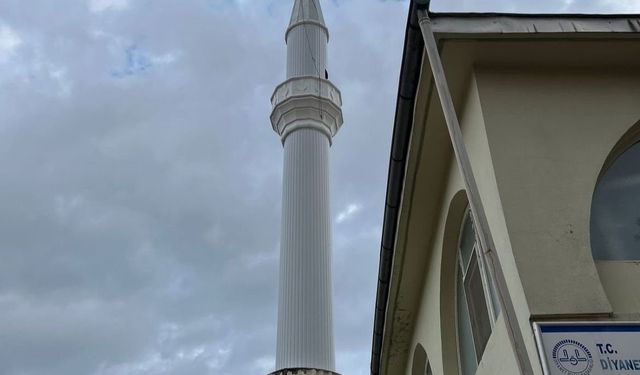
{"x": 306, "y": 115}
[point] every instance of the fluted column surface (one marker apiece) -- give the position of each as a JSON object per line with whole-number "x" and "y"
{"x": 306, "y": 51}
{"x": 304, "y": 372}
{"x": 305, "y": 327}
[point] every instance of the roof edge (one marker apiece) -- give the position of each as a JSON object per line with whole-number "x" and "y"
{"x": 524, "y": 25}
{"x": 533, "y": 15}
{"x": 403, "y": 124}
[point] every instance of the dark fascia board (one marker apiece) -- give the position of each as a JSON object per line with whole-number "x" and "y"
{"x": 477, "y": 25}
{"x": 530, "y": 15}
{"x": 455, "y": 26}
{"x": 408, "y": 86}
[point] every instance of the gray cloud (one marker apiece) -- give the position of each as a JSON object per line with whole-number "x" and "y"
{"x": 140, "y": 181}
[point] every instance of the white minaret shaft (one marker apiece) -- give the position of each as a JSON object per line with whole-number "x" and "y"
{"x": 306, "y": 115}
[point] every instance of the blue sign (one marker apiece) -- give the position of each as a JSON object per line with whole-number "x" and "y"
{"x": 592, "y": 348}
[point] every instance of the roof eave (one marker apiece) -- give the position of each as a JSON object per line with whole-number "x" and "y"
{"x": 480, "y": 25}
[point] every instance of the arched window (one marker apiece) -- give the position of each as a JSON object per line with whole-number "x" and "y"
{"x": 615, "y": 210}
{"x": 419, "y": 360}
{"x": 475, "y": 300}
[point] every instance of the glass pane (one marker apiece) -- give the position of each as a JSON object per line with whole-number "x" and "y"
{"x": 494, "y": 298}
{"x": 477, "y": 302}
{"x": 615, "y": 212}
{"x": 466, "y": 351}
{"x": 429, "y": 372}
{"x": 467, "y": 240}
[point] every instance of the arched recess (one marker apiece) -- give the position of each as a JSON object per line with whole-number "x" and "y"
{"x": 455, "y": 215}
{"x": 614, "y": 233}
{"x": 419, "y": 360}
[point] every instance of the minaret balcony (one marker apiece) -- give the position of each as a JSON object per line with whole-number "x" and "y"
{"x": 306, "y": 102}
{"x": 304, "y": 372}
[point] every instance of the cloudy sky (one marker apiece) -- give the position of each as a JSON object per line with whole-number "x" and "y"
{"x": 140, "y": 182}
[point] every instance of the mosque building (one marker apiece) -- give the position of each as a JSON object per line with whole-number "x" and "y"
{"x": 511, "y": 237}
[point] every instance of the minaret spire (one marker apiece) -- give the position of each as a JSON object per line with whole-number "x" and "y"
{"x": 306, "y": 10}
{"x": 306, "y": 115}
{"x": 307, "y": 38}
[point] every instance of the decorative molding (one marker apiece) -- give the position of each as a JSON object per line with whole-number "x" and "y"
{"x": 306, "y": 102}
{"x": 303, "y": 23}
{"x": 303, "y": 371}
{"x": 306, "y": 85}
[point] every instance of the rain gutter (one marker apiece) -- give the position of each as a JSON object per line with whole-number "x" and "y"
{"x": 409, "y": 77}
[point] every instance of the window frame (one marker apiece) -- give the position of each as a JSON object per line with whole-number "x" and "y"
{"x": 486, "y": 288}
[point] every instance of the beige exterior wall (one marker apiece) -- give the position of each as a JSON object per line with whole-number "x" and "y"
{"x": 435, "y": 322}
{"x": 547, "y": 158}
{"x": 538, "y": 135}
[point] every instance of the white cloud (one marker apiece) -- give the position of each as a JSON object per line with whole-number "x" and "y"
{"x": 264, "y": 364}
{"x": 99, "y": 6}
{"x": 9, "y": 42}
{"x": 623, "y": 6}
{"x": 29, "y": 63}
{"x": 348, "y": 212}
{"x": 164, "y": 59}
{"x": 66, "y": 205}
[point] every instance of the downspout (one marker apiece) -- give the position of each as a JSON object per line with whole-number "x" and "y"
{"x": 488, "y": 255}
{"x": 409, "y": 77}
